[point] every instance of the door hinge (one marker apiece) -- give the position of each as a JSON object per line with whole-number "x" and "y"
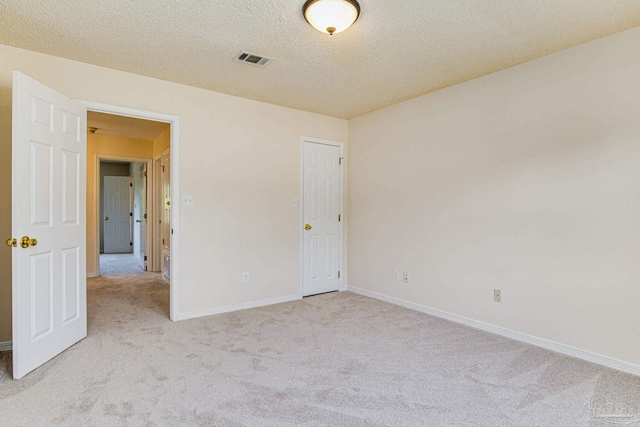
{"x": 131, "y": 184}
{"x": 145, "y": 216}
{"x": 340, "y": 160}
{"x": 162, "y": 168}
{"x": 145, "y": 257}
{"x": 145, "y": 174}
{"x": 130, "y": 213}
{"x": 172, "y": 231}
{"x": 339, "y": 218}
{"x": 130, "y": 243}
{"x": 163, "y": 241}
{"x": 338, "y": 274}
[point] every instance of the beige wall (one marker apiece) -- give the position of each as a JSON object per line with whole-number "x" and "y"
{"x": 111, "y": 146}
{"x": 526, "y": 180}
{"x": 239, "y": 158}
{"x": 162, "y": 143}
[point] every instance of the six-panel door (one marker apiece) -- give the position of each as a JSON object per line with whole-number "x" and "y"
{"x": 323, "y": 231}
{"x": 49, "y": 216}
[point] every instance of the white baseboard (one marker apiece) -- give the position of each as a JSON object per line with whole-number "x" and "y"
{"x": 6, "y": 345}
{"x": 237, "y": 307}
{"x": 90, "y": 275}
{"x": 518, "y": 336}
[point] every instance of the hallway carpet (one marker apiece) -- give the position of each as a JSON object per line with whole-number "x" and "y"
{"x": 333, "y": 360}
{"x": 115, "y": 264}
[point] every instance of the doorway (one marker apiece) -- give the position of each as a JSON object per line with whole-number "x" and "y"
{"x": 123, "y": 190}
{"x": 123, "y": 239}
{"x": 322, "y": 207}
{"x": 115, "y": 207}
{"x": 151, "y": 244}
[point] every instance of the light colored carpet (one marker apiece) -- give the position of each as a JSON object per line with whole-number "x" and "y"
{"x": 116, "y": 264}
{"x": 333, "y": 360}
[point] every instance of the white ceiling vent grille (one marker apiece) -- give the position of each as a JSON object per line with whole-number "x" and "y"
{"x": 253, "y": 59}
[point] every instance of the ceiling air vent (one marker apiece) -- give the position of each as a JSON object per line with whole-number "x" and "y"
{"x": 253, "y": 59}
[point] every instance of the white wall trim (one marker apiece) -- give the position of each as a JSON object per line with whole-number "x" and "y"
{"x": 237, "y": 307}
{"x": 6, "y": 345}
{"x": 90, "y": 275}
{"x": 508, "y": 333}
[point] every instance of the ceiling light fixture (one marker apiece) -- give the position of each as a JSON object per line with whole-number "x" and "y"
{"x": 331, "y": 16}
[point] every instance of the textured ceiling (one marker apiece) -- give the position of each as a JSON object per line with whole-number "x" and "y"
{"x": 397, "y": 50}
{"x": 110, "y": 124}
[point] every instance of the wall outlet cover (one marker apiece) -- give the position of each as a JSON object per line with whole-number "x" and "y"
{"x": 187, "y": 200}
{"x": 246, "y": 277}
{"x": 406, "y": 277}
{"x": 396, "y": 275}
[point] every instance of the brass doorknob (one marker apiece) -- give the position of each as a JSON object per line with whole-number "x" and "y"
{"x": 12, "y": 242}
{"x": 25, "y": 242}
{"x": 307, "y": 227}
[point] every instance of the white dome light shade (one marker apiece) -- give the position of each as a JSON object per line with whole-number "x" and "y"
{"x": 331, "y": 16}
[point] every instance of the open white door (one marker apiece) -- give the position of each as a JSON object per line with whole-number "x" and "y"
{"x": 49, "y": 210}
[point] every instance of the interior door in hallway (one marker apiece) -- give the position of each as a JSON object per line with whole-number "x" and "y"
{"x": 322, "y": 233}
{"x": 117, "y": 214}
{"x": 48, "y": 214}
{"x": 166, "y": 194}
{"x": 140, "y": 212}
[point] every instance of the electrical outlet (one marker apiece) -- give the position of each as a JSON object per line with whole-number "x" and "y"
{"x": 187, "y": 200}
{"x": 497, "y": 295}
{"x": 246, "y": 277}
{"x": 406, "y": 277}
{"x": 396, "y": 275}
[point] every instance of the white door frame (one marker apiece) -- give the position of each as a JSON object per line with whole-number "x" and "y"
{"x": 158, "y": 203}
{"x": 174, "y": 122}
{"x": 107, "y": 158}
{"x": 146, "y": 239}
{"x": 340, "y": 145}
